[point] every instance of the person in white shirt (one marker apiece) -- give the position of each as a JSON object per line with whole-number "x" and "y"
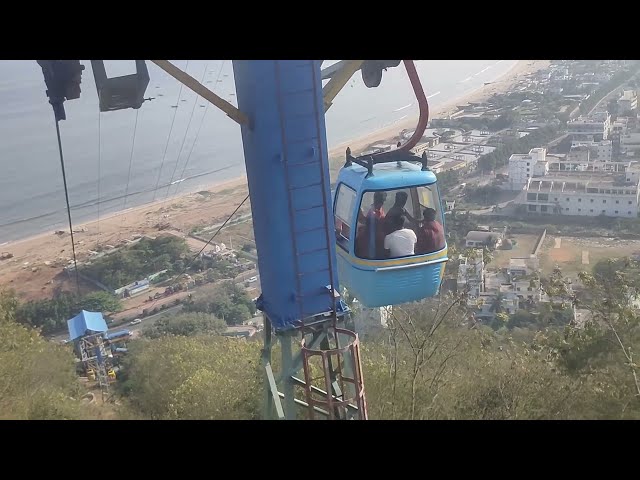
{"x": 401, "y": 242}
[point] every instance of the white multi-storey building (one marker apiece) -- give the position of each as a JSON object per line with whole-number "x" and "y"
{"x": 521, "y": 167}
{"x": 588, "y": 194}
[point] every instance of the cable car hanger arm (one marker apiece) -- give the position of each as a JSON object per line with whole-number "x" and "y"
{"x": 423, "y": 105}
{"x": 402, "y": 150}
{"x": 339, "y": 78}
{"x": 190, "y": 82}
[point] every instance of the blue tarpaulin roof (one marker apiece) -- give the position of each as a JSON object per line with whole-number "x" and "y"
{"x": 86, "y": 323}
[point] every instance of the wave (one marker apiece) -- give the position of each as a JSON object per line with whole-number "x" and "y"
{"x": 402, "y": 108}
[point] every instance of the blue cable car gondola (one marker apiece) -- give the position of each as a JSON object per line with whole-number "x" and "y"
{"x": 392, "y": 193}
{"x": 369, "y": 194}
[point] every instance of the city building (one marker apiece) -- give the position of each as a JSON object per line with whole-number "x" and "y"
{"x": 620, "y": 126}
{"x": 483, "y": 239}
{"x": 521, "y": 167}
{"x": 628, "y": 101}
{"x": 471, "y": 273}
{"x": 630, "y": 142}
{"x": 595, "y": 127}
{"x": 579, "y": 154}
{"x": 588, "y": 194}
{"x": 598, "y": 151}
{"x": 522, "y": 266}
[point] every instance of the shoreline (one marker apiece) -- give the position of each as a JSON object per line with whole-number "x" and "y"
{"x": 358, "y": 143}
{"x": 445, "y": 109}
{"x": 33, "y": 254}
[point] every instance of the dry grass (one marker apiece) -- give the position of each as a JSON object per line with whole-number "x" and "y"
{"x": 569, "y": 256}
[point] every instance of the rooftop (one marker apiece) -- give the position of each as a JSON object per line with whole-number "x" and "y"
{"x": 579, "y": 182}
{"x": 387, "y": 176}
{"x": 476, "y": 236}
{"x": 86, "y": 323}
{"x": 520, "y": 156}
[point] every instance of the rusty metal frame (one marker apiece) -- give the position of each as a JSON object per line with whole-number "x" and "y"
{"x": 338, "y": 404}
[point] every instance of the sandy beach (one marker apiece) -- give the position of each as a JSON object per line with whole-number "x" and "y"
{"x": 35, "y": 270}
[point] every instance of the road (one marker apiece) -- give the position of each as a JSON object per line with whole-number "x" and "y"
{"x": 147, "y": 321}
{"x": 615, "y": 90}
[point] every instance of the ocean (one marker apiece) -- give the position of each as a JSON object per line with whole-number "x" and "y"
{"x": 181, "y": 143}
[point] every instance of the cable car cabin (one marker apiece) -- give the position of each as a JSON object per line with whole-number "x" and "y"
{"x": 391, "y": 246}
{"x": 118, "y": 93}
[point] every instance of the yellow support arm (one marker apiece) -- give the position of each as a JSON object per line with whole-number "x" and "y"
{"x": 338, "y": 81}
{"x": 190, "y": 82}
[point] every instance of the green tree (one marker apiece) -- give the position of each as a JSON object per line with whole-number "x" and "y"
{"x": 147, "y": 256}
{"x": 51, "y": 315}
{"x": 237, "y": 314}
{"x": 601, "y": 349}
{"x": 437, "y": 364}
{"x": 37, "y": 378}
{"x": 199, "y": 378}
{"x": 226, "y": 301}
{"x": 100, "y": 302}
{"x": 186, "y": 324}
{"x": 487, "y": 162}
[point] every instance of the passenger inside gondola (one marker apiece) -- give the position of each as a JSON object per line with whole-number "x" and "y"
{"x": 399, "y": 209}
{"x": 419, "y": 208}
{"x": 401, "y": 241}
{"x": 430, "y": 234}
{"x": 371, "y": 231}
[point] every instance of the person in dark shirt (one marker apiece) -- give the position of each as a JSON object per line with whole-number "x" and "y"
{"x": 430, "y": 234}
{"x": 370, "y": 240}
{"x": 398, "y": 210}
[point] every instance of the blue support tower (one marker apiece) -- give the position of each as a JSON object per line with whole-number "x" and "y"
{"x": 285, "y": 148}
